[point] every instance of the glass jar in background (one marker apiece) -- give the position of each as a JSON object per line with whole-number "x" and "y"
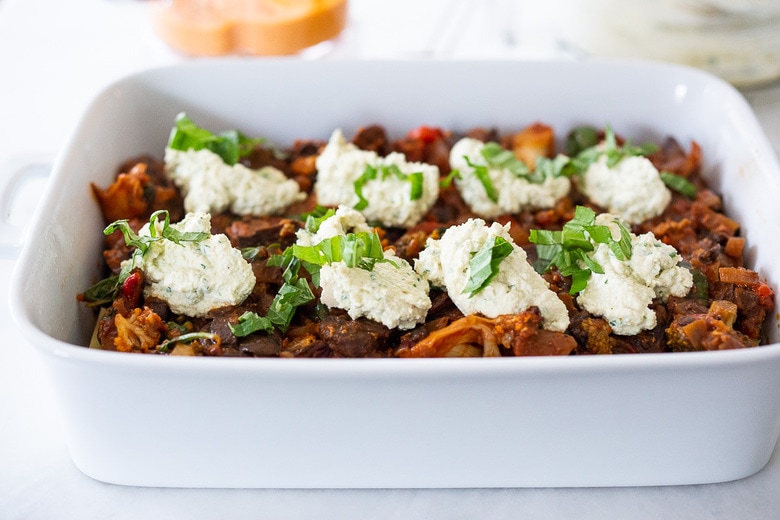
{"x": 247, "y": 27}
{"x": 738, "y": 40}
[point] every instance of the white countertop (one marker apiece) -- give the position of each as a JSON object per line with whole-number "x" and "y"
{"x": 54, "y": 56}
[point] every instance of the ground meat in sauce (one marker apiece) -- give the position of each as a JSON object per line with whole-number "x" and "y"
{"x": 726, "y": 309}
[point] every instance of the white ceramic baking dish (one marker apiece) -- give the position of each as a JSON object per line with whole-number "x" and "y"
{"x": 653, "y": 419}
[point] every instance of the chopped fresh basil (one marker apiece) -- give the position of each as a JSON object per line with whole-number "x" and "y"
{"x": 181, "y": 328}
{"x": 231, "y": 145}
{"x": 293, "y": 293}
{"x": 371, "y": 173}
{"x": 250, "y": 322}
{"x": 580, "y": 139}
{"x": 568, "y": 248}
{"x": 131, "y": 237}
{"x": 609, "y": 148}
{"x": 165, "y": 346}
{"x": 170, "y": 233}
{"x": 416, "y": 180}
{"x": 252, "y": 253}
{"x": 483, "y": 175}
{"x": 362, "y": 250}
{"x": 500, "y": 158}
{"x": 446, "y": 181}
{"x": 483, "y": 266}
{"x": 316, "y": 217}
{"x": 103, "y": 292}
{"x": 679, "y": 184}
{"x": 701, "y": 287}
{"x": 616, "y": 153}
{"x": 497, "y": 157}
{"x": 582, "y": 144}
{"x": 142, "y": 243}
{"x": 621, "y": 248}
{"x": 559, "y": 166}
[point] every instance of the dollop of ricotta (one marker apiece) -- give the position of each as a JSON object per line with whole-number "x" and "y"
{"x": 345, "y": 220}
{"x": 516, "y": 287}
{"x": 514, "y": 193}
{"x": 623, "y": 293}
{"x": 211, "y": 186}
{"x": 195, "y": 277}
{"x": 392, "y": 293}
{"x": 632, "y": 189}
{"x": 341, "y": 163}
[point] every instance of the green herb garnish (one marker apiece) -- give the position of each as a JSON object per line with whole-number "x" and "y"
{"x": 361, "y": 250}
{"x": 250, "y": 322}
{"x": 701, "y": 285}
{"x": 168, "y": 232}
{"x": 447, "y": 181}
{"x": 581, "y": 138}
{"x": 230, "y": 145}
{"x": 483, "y": 175}
{"x": 105, "y": 290}
{"x": 483, "y": 266}
{"x": 497, "y": 157}
{"x": 293, "y": 293}
{"x": 371, "y": 173}
{"x": 559, "y": 166}
{"x": 165, "y": 346}
{"x": 316, "y": 217}
{"x": 583, "y": 142}
{"x": 679, "y": 184}
{"x": 609, "y": 148}
{"x": 568, "y": 248}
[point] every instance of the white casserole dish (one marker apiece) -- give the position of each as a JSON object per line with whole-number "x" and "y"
{"x": 650, "y": 419}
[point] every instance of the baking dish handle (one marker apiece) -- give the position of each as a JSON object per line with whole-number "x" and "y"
{"x": 16, "y": 173}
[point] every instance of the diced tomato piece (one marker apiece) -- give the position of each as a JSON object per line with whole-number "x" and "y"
{"x": 766, "y": 295}
{"x": 132, "y": 288}
{"x": 426, "y": 134}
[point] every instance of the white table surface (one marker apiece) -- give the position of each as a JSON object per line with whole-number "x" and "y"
{"x": 54, "y": 56}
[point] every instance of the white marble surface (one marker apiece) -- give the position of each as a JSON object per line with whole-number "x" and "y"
{"x": 54, "y": 55}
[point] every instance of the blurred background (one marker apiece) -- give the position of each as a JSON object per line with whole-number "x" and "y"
{"x": 60, "y": 53}
{"x": 736, "y": 39}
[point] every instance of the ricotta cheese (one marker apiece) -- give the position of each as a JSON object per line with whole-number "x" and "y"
{"x": 392, "y": 293}
{"x": 346, "y": 220}
{"x": 632, "y": 189}
{"x": 516, "y": 287}
{"x": 211, "y": 186}
{"x": 624, "y": 291}
{"x": 195, "y": 277}
{"x": 389, "y": 199}
{"x": 514, "y": 193}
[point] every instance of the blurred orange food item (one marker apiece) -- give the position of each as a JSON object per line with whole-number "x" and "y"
{"x": 257, "y": 27}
